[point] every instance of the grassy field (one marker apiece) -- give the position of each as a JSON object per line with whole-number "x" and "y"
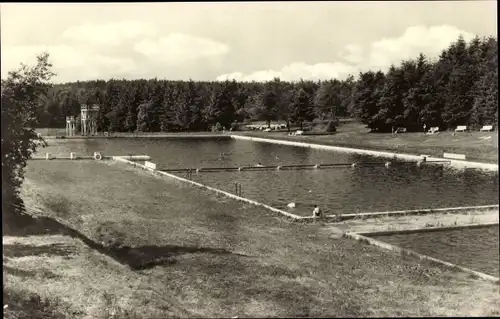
{"x": 143, "y": 246}
{"x": 353, "y": 134}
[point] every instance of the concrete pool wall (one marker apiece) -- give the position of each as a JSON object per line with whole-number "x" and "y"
{"x": 395, "y": 213}
{"x": 425, "y": 230}
{"x": 459, "y": 164}
{"x": 401, "y": 250}
{"x": 181, "y": 179}
{"x": 339, "y": 217}
{"x": 456, "y": 163}
{"x": 352, "y": 235}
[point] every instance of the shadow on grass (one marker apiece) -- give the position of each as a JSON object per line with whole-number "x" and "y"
{"x": 145, "y": 257}
{"x": 20, "y": 223}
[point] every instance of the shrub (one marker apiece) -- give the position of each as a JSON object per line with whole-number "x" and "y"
{"x": 235, "y": 126}
{"x": 330, "y": 127}
{"x": 217, "y": 127}
{"x": 22, "y": 94}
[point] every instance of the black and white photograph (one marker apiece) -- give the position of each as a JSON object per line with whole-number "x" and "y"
{"x": 267, "y": 159}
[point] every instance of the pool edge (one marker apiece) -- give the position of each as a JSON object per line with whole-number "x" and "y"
{"x": 391, "y": 247}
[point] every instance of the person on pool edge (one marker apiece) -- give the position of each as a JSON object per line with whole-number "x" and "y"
{"x": 316, "y": 211}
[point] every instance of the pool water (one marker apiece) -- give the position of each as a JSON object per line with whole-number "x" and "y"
{"x": 335, "y": 190}
{"x": 475, "y": 248}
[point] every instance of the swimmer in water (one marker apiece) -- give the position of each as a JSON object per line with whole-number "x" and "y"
{"x": 259, "y": 165}
{"x": 277, "y": 158}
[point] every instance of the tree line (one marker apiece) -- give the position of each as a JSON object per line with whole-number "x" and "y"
{"x": 457, "y": 88}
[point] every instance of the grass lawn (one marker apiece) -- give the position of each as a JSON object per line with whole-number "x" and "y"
{"x": 148, "y": 246}
{"x": 353, "y": 134}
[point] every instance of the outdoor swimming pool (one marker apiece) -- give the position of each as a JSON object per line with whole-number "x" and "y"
{"x": 335, "y": 190}
{"x": 475, "y": 248}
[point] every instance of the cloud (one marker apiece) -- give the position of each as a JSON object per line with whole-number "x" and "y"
{"x": 131, "y": 49}
{"x": 354, "y": 58}
{"x": 352, "y": 53}
{"x": 110, "y": 33}
{"x": 177, "y": 47}
{"x": 68, "y": 61}
{"x": 121, "y": 49}
{"x": 430, "y": 41}
{"x": 295, "y": 71}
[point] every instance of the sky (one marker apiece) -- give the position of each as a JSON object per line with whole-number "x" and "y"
{"x": 245, "y": 41}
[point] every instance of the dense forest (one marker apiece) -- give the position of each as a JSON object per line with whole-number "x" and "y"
{"x": 460, "y": 87}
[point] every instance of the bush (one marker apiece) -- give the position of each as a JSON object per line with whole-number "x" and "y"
{"x": 23, "y": 93}
{"x": 235, "y": 126}
{"x": 217, "y": 127}
{"x": 330, "y": 127}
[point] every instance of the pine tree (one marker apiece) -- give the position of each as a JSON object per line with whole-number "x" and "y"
{"x": 328, "y": 99}
{"x": 211, "y": 111}
{"x": 183, "y": 114}
{"x": 345, "y": 96}
{"x": 169, "y": 108}
{"x": 268, "y": 101}
{"x": 366, "y": 94}
{"x": 156, "y": 97}
{"x": 302, "y": 109}
{"x": 127, "y": 97}
{"x": 485, "y": 107}
{"x": 457, "y": 90}
{"x": 415, "y": 100}
{"x": 485, "y": 90}
{"x": 144, "y": 117}
{"x": 239, "y": 101}
{"x": 391, "y": 108}
{"x": 222, "y": 106}
{"x": 116, "y": 113}
{"x": 285, "y": 106}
